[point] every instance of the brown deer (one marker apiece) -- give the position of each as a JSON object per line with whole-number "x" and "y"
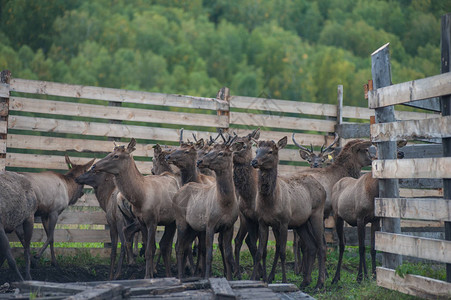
{"x": 208, "y": 208}
{"x": 107, "y": 195}
{"x": 17, "y": 207}
{"x": 296, "y": 202}
{"x": 54, "y": 192}
{"x": 151, "y": 197}
{"x": 316, "y": 160}
{"x": 353, "y": 202}
{"x": 246, "y": 185}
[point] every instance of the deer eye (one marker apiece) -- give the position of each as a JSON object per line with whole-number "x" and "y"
{"x": 187, "y": 151}
{"x": 244, "y": 146}
{"x": 221, "y": 153}
{"x": 270, "y": 152}
{"x": 116, "y": 156}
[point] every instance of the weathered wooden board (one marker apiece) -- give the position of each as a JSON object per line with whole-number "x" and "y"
{"x": 40, "y": 142}
{"x": 2, "y": 164}
{"x": 4, "y": 109}
{"x": 3, "y": 127}
{"x": 101, "y": 129}
{"x": 88, "y": 199}
{"x": 69, "y": 236}
{"x": 414, "y": 208}
{"x": 413, "y": 168}
{"x": 437, "y": 250}
{"x": 353, "y": 130}
{"x": 80, "y": 217}
{"x": 420, "y": 89}
{"x": 415, "y": 285}
{"x": 281, "y": 122}
{"x": 57, "y": 162}
{"x": 4, "y": 90}
{"x": 432, "y": 104}
{"x": 109, "y": 94}
{"x": 411, "y": 193}
{"x": 116, "y": 112}
{"x": 104, "y": 291}
{"x": 439, "y": 127}
{"x": 221, "y": 288}
{"x": 2, "y": 146}
{"x": 421, "y": 183}
{"x": 422, "y": 150}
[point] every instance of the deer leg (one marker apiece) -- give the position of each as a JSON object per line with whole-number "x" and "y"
{"x": 27, "y": 226}
{"x": 308, "y": 254}
{"x": 230, "y": 262}
{"x": 113, "y": 237}
{"x": 296, "y": 252}
{"x": 185, "y": 236}
{"x": 263, "y": 232}
{"x": 241, "y": 234}
{"x": 201, "y": 254}
{"x": 280, "y": 233}
{"x": 129, "y": 230}
{"x": 209, "y": 235}
{"x": 150, "y": 249}
{"x": 49, "y": 225}
{"x": 166, "y": 246}
{"x": 339, "y": 222}
{"x": 5, "y": 249}
{"x": 317, "y": 230}
{"x": 119, "y": 228}
{"x": 375, "y": 226}
{"x": 361, "y": 236}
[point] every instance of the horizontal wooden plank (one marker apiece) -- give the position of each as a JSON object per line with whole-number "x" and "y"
{"x": 281, "y": 122}
{"x": 412, "y": 115}
{"x": 415, "y": 285}
{"x": 414, "y": 208}
{"x": 437, "y": 167}
{"x": 411, "y": 193}
{"x": 55, "y": 162}
{"x": 2, "y": 146}
{"x": 88, "y": 199}
{"x": 109, "y": 94}
{"x": 432, "y": 104}
{"x": 3, "y": 127}
{"x": 4, "y": 90}
{"x": 116, "y": 112}
{"x": 80, "y": 217}
{"x": 277, "y": 105}
{"x": 40, "y": 142}
{"x": 304, "y": 139}
{"x": 439, "y": 127}
{"x": 4, "y": 108}
{"x": 420, "y": 89}
{"x": 436, "y": 250}
{"x": 421, "y": 183}
{"x": 422, "y": 150}
{"x": 69, "y": 236}
{"x": 100, "y": 129}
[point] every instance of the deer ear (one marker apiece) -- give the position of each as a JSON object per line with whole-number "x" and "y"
{"x": 304, "y": 154}
{"x": 89, "y": 163}
{"x": 131, "y": 145}
{"x": 401, "y": 143}
{"x": 282, "y": 142}
{"x": 237, "y": 146}
{"x": 156, "y": 149}
{"x": 68, "y": 162}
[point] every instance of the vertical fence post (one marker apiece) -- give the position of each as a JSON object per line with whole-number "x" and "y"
{"x": 5, "y": 77}
{"x": 446, "y": 111}
{"x": 388, "y": 188}
{"x": 224, "y": 94}
{"x": 339, "y": 110}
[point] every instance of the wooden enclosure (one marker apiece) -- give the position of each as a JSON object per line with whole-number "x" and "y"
{"x": 41, "y": 121}
{"x": 390, "y": 206}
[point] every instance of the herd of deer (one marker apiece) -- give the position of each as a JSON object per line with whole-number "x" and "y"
{"x": 215, "y": 184}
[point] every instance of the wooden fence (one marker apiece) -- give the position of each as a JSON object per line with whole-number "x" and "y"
{"x": 390, "y": 206}
{"x": 41, "y": 121}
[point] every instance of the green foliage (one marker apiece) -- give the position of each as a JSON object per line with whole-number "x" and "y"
{"x": 297, "y": 50}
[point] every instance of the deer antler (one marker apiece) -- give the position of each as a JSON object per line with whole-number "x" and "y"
{"x": 231, "y": 140}
{"x": 303, "y": 148}
{"x": 181, "y": 136}
{"x": 195, "y": 138}
{"x": 333, "y": 143}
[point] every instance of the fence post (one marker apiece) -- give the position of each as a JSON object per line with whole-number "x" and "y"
{"x": 388, "y": 188}
{"x": 224, "y": 94}
{"x": 5, "y": 77}
{"x": 446, "y": 111}
{"x": 339, "y": 110}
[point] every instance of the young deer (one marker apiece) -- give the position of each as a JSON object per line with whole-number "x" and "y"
{"x": 282, "y": 203}
{"x": 151, "y": 198}
{"x": 107, "y": 195}
{"x": 54, "y": 192}
{"x": 17, "y": 206}
{"x": 316, "y": 160}
{"x": 208, "y": 208}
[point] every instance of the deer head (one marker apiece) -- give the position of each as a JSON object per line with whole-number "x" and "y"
{"x": 118, "y": 160}
{"x": 267, "y": 156}
{"x": 159, "y": 159}
{"x": 185, "y": 155}
{"x": 219, "y": 158}
{"x": 243, "y": 147}
{"x": 316, "y": 160}
{"x": 75, "y": 171}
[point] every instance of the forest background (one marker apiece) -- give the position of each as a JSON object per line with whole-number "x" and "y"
{"x": 295, "y": 50}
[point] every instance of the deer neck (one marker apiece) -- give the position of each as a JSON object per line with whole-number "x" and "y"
{"x": 267, "y": 187}
{"x": 189, "y": 174}
{"x": 73, "y": 188}
{"x": 225, "y": 186}
{"x": 245, "y": 181}
{"x": 103, "y": 192}
{"x": 346, "y": 167}
{"x": 130, "y": 183}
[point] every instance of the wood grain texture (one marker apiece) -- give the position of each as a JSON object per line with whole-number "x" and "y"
{"x": 432, "y": 249}
{"x": 4, "y": 90}
{"x": 414, "y": 285}
{"x": 437, "y": 167}
{"x": 109, "y": 94}
{"x": 414, "y": 208}
{"x": 434, "y": 86}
